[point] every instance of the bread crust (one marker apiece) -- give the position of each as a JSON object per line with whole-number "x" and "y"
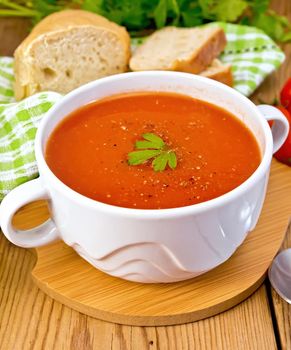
{"x": 220, "y": 72}
{"x": 59, "y": 22}
{"x": 199, "y": 62}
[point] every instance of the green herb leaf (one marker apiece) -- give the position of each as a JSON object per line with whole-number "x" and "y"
{"x": 272, "y": 24}
{"x": 160, "y": 162}
{"x": 153, "y": 147}
{"x": 173, "y": 8}
{"x": 259, "y": 6}
{"x": 192, "y": 17}
{"x": 230, "y": 11}
{"x": 152, "y": 141}
{"x": 286, "y": 37}
{"x": 155, "y": 139}
{"x": 223, "y": 10}
{"x": 172, "y": 160}
{"x": 140, "y": 157}
{"x": 160, "y": 14}
{"x": 146, "y": 145}
{"x": 142, "y": 16}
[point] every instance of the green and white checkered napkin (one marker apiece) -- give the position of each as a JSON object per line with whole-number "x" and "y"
{"x": 252, "y": 53}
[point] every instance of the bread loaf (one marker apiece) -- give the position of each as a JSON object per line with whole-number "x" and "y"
{"x": 179, "y": 49}
{"x": 68, "y": 49}
{"x": 219, "y": 71}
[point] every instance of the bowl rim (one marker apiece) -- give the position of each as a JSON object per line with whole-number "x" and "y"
{"x": 80, "y": 199}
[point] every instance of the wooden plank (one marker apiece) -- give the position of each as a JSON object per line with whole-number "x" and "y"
{"x": 267, "y": 92}
{"x": 31, "y": 320}
{"x": 12, "y": 32}
{"x": 282, "y": 309}
{"x": 270, "y": 88}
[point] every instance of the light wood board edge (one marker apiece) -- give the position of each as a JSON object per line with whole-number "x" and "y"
{"x": 166, "y": 320}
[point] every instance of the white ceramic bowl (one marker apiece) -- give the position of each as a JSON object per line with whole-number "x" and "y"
{"x": 149, "y": 245}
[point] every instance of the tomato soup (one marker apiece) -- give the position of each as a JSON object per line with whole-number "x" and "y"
{"x": 214, "y": 152}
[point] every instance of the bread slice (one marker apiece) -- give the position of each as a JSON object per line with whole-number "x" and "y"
{"x": 67, "y": 49}
{"x": 179, "y": 49}
{"x": 219, "y": 71}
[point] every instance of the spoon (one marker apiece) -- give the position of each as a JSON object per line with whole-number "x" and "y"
{"x": 280, "y": 274}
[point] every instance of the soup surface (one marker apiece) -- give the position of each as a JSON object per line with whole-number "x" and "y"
{"x": 88, "y": 150}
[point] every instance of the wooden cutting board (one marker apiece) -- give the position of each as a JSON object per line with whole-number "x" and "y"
{"x": 63, "y": 275}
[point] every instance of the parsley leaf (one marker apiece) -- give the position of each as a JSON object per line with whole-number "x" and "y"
{"x": 142, "y": 16}
{"x": 160, "y": 162}
{"x": 139, "y": 157}
{"x": 153, "y": 147}
{"x": 160, "y": 14}
{"x": 286, "y": 37}
{"x": 259, "y": 6}
{"x": 273, "y": 25}
{"x": 155, "y": 140}
{"x": 172, "y": 160}
{"x": 223, "y": 10}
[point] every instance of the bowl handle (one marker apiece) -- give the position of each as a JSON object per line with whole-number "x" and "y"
{"x": 17, "y": 198}
{"x": 280, "y": 128}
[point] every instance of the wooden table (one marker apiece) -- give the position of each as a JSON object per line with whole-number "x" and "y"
{"x": 31, "y": 320}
